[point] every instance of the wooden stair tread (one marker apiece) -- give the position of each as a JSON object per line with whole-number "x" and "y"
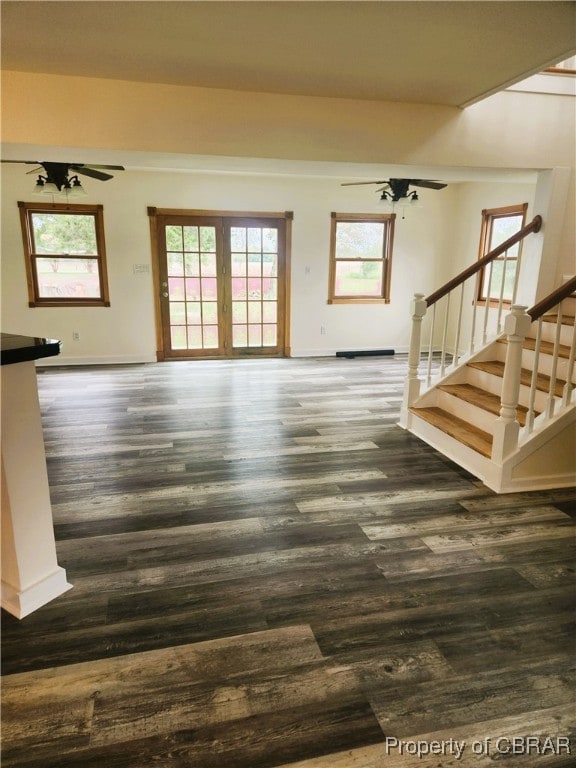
{"x": 546, "y": 347}
{"x": 460, "y": 430}
{"x": 482, "y": 399}
{"x": 566, "y": 319}
{"x": 496, "y": 368}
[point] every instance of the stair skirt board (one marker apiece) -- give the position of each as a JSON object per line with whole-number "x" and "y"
{"x": 509, "y": 478}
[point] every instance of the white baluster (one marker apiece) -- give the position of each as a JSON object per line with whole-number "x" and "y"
{"x": 550, "y": 405}
{"x": 506, "y": 427}
{"x": 431, "y": 347}
{"x": 501, "y": 297}
{"x": 569, "y": 386}
{"x": 534, "y": 379}
{"x": 517, "y": 275}
{"x": 474, "y": 313}
{"x": 487, "y": 305}
{"x": 445, "y": 336}
{"x": 457, "y": 341}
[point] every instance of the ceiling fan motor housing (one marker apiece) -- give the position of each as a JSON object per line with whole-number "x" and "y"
{"x": 399, "y": 188}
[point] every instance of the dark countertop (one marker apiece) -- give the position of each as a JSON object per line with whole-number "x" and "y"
{"x": 20, "y": 349}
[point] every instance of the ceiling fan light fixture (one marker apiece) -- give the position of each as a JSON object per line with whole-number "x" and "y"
{"x": 57, "y": 181}
{"x": 398, "y": 191}
{"x": 50, "y": 188}
{"x": 74, "y": 188}
{"x": 386, "y": 201}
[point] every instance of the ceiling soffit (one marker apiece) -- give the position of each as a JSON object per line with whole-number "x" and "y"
{"x": 449, "y": 53}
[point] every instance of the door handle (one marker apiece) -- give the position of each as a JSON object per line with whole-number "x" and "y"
{"x": 164, "y": 294}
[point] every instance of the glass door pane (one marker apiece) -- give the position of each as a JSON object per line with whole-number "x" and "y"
{"x": 254, "y": 256}
{"x": 192, "y": 287}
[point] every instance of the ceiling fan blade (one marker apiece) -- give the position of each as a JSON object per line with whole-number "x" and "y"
{"x": 107, "y": 167}
{"x": 69, "y": 165}
{"x": 427, "y": 184}
{"x": 84, "y": 171}
{"x": 355, "y": 183}
{"x": 27, "y": 162}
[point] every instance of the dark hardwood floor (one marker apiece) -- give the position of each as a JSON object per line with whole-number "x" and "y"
{"x": 269, "y": 572}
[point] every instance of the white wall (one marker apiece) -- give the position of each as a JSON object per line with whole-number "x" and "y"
{"x": 473, "y": 198}
{"x": 507, "y": 130}
{"x": 431, "y": 244}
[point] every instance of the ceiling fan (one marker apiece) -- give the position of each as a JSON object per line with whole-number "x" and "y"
{"x": 57, "y": 178}
{"x": 397, "y": 189}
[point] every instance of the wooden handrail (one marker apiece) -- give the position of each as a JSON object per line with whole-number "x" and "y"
{"x": 533, "y": 226}
{"x": 565, "y": 290}
{"x": 560, "y": 71}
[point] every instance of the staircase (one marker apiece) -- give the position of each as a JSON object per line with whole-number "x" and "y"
{"x": 504, "y": 409}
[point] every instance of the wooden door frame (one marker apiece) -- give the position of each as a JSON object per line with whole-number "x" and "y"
{"x": 153, "y": 215}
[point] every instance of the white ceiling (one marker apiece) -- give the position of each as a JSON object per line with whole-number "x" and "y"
{"x": 450, "y": 53}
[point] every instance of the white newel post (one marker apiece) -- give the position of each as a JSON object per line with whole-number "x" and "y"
{"x": 412, "y": 386}
{"x": 506, "y": 428}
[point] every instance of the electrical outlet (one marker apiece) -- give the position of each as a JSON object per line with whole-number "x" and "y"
{"x": 75, "y": 336}
{"x": 322, "y": 330}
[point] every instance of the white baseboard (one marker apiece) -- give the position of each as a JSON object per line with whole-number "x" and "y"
{"x": 47, "y": 362}
{"x": 546, "y": 483}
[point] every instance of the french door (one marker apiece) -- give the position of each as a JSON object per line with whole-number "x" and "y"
{"x": 222, "y": 285}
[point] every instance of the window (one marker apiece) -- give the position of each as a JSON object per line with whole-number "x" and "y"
{"x": 360, "y": 258}
{"x": 498, "y": 224}
{"x": 65, "y": 255}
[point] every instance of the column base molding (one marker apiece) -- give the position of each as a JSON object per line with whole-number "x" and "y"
{"x": 21, "y": 603}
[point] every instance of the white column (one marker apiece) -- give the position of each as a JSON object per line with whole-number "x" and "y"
{"x": 412, "y": 386}
{"x": 31, "y": 575}
{"x": 506, "y": 428}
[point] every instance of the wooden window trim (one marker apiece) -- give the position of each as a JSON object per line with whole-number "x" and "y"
{"x": 155, "y": 216}
{"x": 188, "y": 212}
{"x": 34, "y": 300}
{"x": 385, "y": 218}
{"x": 488, "y": 216}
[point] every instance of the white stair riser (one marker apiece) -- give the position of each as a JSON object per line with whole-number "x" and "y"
{"x": 546, "y": 364}
{"x": 467, "y": 411}
{"x": 544, "y": 361}
{"x": 493, "y": 384}
{"x": 484, "y": 380}
{"x": 549, "y": 333}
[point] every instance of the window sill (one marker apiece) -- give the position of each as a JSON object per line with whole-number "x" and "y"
{"x": 493, "y": 303}
{"x": 68, "y": 303}
{"x": 359, "y": 300}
